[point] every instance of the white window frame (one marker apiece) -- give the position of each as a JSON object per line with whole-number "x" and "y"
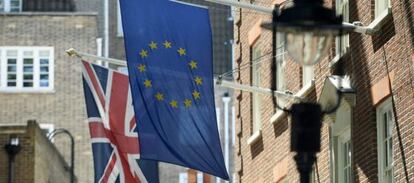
{"x": 344, "y": 138}
{"x": 280, "y": 68}
{"x": 380, "y": 15}
{"x": 340, "y": 134}
{"x": 337, "y": 156}
{"x": 2, "y": 5}
{"x": 120, "y": 30}
{"x": 200, "y": 177}
{"x": 183, "y": 178}
{"x": 385, "y": 107}
{"x": 7, "y": 6}
{"x": 256, "y": 98}
{"x": 341, "y": 46}
{"x": 313, "y": 175}
{"x": 123, "y": 70}
{"x": 307, "y": 75}
{"x": 36, "y": 69}
{"x": 385, "y": 3}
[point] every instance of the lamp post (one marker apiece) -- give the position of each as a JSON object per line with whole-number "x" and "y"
{"x": 72, "y": 150}
{"x": 12, "y": 148}
{"x": 309, "y": 29}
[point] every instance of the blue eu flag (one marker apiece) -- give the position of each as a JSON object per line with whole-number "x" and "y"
{"x": 169, "y": 52}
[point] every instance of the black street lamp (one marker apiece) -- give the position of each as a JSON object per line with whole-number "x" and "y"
{"x": 12, "y": 147}
{"x": 309, "y": 29}
{"x": 72, "y": 150}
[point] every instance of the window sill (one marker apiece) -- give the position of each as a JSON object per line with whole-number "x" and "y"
{"x": 31, "y": 91}
{"x": 338, "y": 57}
{"x": 277, "y": 116}
{"x": 301, "y": 93}
{"x": 254, "y": 138}
{"x": 379, "y": 21}
{"x": 305, "y": 89}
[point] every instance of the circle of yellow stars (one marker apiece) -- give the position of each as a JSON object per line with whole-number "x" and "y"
{"x": 192, "y": 64}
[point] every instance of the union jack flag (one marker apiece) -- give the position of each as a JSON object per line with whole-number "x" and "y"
{"x": 112, "y": 125}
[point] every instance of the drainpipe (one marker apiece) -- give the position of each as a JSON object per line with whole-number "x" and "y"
{"x": 226, "y": 100}
{"x": 218, "y": 116}
{"x": 99, "y": 50}
{"x": 106, "y": 30}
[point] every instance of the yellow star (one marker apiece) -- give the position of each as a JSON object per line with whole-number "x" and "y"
{"x": 147, "y": 83}
{"x": 196, "y": 94}
{"x": 143, "y": 53}
{"x": 153, "y": 45}
{"x": 198, "y": 80}
{"x": 141, "y": 68}
{"x": 167, "y": 44}
{"x": 181, "y": 51}
{"x": 174, "y": 104}
{"x": 159, "y": 96}
{"x": 187, "y": 103}
{"x": 193, "y": 64}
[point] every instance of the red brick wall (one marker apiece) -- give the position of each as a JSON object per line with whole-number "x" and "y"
{"x": 365, "y": 63}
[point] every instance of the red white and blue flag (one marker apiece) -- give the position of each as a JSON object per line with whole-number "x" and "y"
{"x": 113, "y": 128}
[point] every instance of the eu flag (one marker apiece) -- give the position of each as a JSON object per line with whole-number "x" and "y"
{"x": 169, "y": 52}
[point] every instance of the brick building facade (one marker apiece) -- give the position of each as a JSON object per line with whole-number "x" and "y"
{"x": 38, "y": 161}
{"x": 39, "y": 81}
{"x": 33, "y": 37}
{"x": 369, "y": 138}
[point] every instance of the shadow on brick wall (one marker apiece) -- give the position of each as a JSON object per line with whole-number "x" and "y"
{"x": 386, "y": 32}
{"x": 280, "y": 127}
{"x": 408, "y": 14}
{"x": 257, "y": 147}
{"x": 363, "y": 114}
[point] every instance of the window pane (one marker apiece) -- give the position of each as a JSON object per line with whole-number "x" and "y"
{"x": 380, "y": 6}
{"x": 390, "y": 123}
{"x": 28, "y": 68}
{"x": 11, "y": 61}
{"x": 44, "y": 61}
{"x": 11, "y": 76}
{"x": 11, "y": 68}
{"x": 11, "y": 83}
{"x": 44, "y": 69}
{"x": 44, "y": 76}
{"x": 28, "y": 61}
{"x": 386, "y": 153}
{"x": 28, "y": 76}
{"x": 385, "y": 126}
{"x": 28, "y": 53}
{"x": 44, "y": 53}
{"x": 11, "y": 53}
{"x": 44, "y": 83}
{"x": 1, "y": 5}
{"x": 14, "y": 5}
{"x": 27, "y": 84}
{"x": 389, "y": 149}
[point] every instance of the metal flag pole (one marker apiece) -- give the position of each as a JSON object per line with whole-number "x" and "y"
{"x": 357, "y": 26}
{"x": 238, "y": 4}
{"x": 228, "y": 84}
{"x": 72, "y": 52}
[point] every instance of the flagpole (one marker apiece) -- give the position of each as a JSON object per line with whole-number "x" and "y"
{"x": 239, "y": 4}
{"x": 72, "y": 52}
{"x": 357, "y": 26}
{"x": 255, "y": 89}
{"x": 228, "y": 84}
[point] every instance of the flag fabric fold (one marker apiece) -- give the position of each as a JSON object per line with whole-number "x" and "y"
{"x": 112, "y": 128}
{"x": 169, "y": 53}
